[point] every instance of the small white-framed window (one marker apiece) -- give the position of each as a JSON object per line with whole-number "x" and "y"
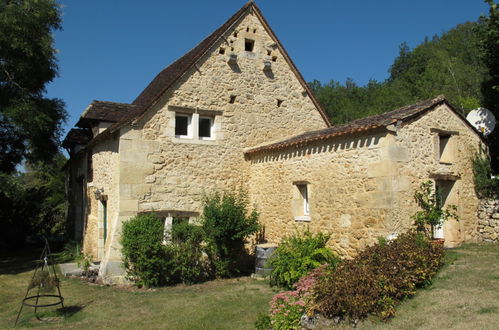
{"x": 206, "y": 128}
{"x": 183, "y": 125}
{"x": 303, "y": 188}
{"x": 301, "y": 201}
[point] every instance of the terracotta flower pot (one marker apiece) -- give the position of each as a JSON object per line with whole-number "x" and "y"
{"x": 438, "y": 241}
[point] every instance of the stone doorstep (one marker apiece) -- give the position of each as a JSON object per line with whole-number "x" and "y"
{"x": 72, "y": 269}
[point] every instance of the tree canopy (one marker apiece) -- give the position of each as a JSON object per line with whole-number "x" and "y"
{"x": 30, "y": 124}
{"x": 448, "y": 64}
{"x": 33, "y": 202}
{"x": 490, "y": 86}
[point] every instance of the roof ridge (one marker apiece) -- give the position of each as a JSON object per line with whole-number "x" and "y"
{"x": 112, "y": 102}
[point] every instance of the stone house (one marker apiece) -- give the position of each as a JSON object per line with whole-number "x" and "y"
{"x": 236, "y": 112}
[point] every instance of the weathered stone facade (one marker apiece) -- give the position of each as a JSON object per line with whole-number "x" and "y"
{"x": 243, "y": 87}
{"x": 362, "y": 185}
{"x": 488, "y": 221}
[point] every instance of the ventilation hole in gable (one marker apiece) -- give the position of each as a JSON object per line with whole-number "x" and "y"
{"x": 279, "y": 103}
{"x": 247, "y": 29}
{"x": 232, "y": 99}
{"x": 274, "y": 58}
{"x": 269, "y": 52}
{"x": 232, "y": 48}
{"x": 221, "y": 51}
{"x": 254, "y": 30}
{"x": 249, "y": 45}
{"x": 235, "y": 34}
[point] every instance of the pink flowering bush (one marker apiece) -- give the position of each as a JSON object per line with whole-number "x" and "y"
{"x": 287, "y": 307}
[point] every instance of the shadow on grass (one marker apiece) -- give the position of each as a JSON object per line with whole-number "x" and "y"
{"x": 15, "y": 262}
{"x": 29, "y": 318}
{"x": 68, "y": 311}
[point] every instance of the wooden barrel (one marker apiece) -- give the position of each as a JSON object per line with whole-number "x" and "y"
{"x": 263, "y": 253}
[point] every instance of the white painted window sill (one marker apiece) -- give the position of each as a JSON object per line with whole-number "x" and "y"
{"x": 304, "y": 218}
{"x": 195, "y": 141}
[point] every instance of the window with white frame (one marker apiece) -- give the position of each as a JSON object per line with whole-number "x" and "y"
{"x": 301, "y": 202}
{"x": 192, "y": 125}
{"x": 303, "y": 188}
{"x": 183, "y": 125}
{"x": 205, "y": 128}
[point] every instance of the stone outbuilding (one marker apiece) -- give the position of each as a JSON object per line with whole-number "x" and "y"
{"x": 235, "y": 112}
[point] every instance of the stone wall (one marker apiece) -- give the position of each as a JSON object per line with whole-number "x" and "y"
{"x": 105, "y": 178}
{"x": 488, "y": 221}
{"x": 362, "y": 186}
{"x": 163, "y": 172}
{"x": 160, "y": 172}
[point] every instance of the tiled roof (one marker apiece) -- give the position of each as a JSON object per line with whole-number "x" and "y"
{"x": 398, "y": 116}
{"x": 105, "y": 111}
{"x": 76, "y": 136}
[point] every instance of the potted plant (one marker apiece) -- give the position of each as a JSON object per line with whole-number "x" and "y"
{"x": 430, "y": 219}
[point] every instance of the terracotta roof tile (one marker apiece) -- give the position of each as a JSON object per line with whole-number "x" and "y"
{"x": 105, "y": 111}
{"x": 76, "y": 136}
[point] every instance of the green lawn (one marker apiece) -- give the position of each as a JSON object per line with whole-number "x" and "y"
{"x": 221, "y": 304}
{"x": 465, "y": 295}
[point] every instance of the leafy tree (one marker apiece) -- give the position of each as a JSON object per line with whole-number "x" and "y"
{"x": 449, "y": 64}
{"x": 490, "y": 87}
{"x": 33, "y": 202}
{"x": 30, "y": 124}
{"x": 44, "y": 185}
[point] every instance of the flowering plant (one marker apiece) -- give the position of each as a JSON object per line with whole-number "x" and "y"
{"x": 286, "y": 309}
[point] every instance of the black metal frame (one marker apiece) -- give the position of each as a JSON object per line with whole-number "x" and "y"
{"x": 45, "y": 261}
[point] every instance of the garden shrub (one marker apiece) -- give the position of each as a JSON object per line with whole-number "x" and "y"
{"x": 287, "y": 308}
{"x": 186, "y": 248}
{"x": 228, "y": 223}
{"x": 150, "y": 262}
{"x": 297, "y": 255}
{"x": 145, "y": 259}
{"x": 379, "y": 277}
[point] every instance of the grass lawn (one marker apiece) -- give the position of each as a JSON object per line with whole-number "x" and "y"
{"x": 221, "y": 304}
{"x": 465, "y": 295}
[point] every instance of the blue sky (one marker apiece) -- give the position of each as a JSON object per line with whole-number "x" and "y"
{"x": 110, "y": 50}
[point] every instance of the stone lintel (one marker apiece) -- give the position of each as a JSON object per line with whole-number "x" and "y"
{"x": 445, "y": 176}
{"x": 443, "y": 132}
{"x": 195, "y": 110}
{"x": 172, "y": 213}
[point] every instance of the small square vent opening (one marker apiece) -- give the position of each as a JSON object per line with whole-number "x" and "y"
{"x": 249, "y": 45}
